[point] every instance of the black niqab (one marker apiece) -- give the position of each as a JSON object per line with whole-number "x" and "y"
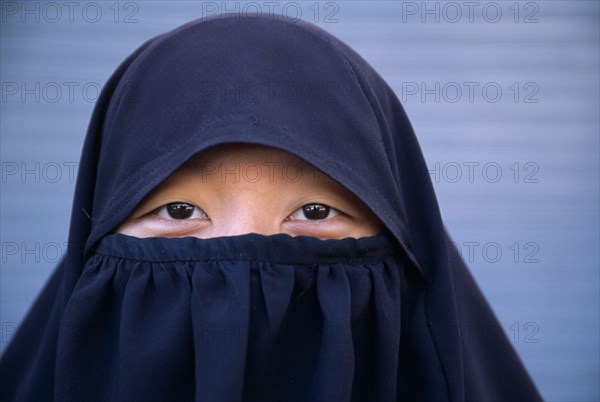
{"x": 257, "y": 317}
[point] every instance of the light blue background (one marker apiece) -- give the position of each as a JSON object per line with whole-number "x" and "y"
{"x": 546, "y": 296}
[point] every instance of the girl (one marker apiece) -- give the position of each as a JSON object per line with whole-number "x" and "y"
{"x": 253, "y": 220}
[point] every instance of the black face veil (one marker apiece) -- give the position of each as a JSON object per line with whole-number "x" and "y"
{"x": 257, "y": 318}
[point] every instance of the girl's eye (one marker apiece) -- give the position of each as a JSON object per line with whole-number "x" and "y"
{"x": 314, "y": 212}
{"x": 180, "y": 211}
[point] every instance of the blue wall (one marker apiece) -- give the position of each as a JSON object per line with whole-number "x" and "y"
{"x": 504, "y": 97}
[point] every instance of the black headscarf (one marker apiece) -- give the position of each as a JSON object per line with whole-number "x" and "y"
{"x": 258, "y": 318}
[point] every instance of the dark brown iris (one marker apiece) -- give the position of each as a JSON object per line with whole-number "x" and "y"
{"x": 316, "y": 211}
{"x": 180, "y": 210}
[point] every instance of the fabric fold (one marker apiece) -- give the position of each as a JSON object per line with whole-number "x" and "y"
{"x": 250, "y": 328}
{"x": 220, "y": 316}
{"x": 336, "y": 352}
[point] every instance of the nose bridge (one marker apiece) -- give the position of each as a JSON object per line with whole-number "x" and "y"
{"x": 249, "y": 223}
{"x": 247, "y": 217}
{"x": 248, "y": 204}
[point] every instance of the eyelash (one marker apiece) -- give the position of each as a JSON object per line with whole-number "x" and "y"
{"x": 164, "y": 213}
{"x": 298, "y": 215}
{"x": 313, "y": 208}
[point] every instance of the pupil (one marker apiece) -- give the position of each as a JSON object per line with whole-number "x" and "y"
{"x": 316, "y": 211}
{"x": 180, "y": 210}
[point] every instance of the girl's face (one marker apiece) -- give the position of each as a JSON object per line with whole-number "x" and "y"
{"x": 237, "y": 189}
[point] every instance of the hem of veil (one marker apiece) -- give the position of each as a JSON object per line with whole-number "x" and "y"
{"x": 278, "y": 248}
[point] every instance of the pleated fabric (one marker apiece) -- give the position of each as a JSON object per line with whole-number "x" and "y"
{"x": 253, "y": 318}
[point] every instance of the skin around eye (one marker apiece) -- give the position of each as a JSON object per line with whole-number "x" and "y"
{"x": 182, "y": 211}
{"x": 213, "y": 195}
